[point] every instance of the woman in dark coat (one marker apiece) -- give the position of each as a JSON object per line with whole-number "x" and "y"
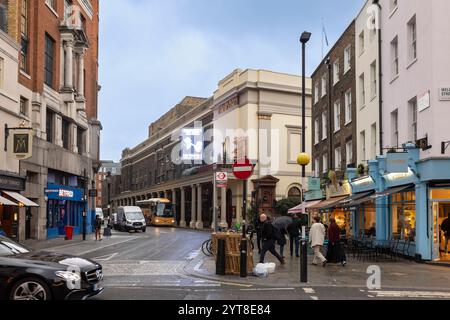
{"x": 335, "y": 253}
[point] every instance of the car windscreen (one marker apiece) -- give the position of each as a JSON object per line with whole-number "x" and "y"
{"x": 134, "y": 216}
{"x": 164, "y": 210}
{"x": 10, "y": 248}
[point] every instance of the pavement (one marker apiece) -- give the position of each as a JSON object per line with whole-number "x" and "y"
{"x": 401, "y": 274}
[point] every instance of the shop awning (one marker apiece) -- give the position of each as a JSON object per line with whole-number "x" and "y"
{"x": 303, "y": 207}
{"x": 21, "y": 200}
{"x": 392, "y": 191}
{"x": 328, "y": 204}
{"x": 6, "y": 202}
{"x": 350, "y": 201}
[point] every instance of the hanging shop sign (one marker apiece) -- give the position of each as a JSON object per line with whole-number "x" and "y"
{"x": 19, "y": 143}
{"x": 397, "y": 162}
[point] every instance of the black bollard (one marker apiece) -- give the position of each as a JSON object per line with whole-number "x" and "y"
{"x": 244, "y": 247}
{"x": 304, "y": 261}
{"x": 220, "y": 262}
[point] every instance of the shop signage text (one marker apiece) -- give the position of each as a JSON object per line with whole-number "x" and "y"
{"x": 444, "y": 94}
{"x": 12, "y": 183}
{"x": 397, "y": 162}
{"x": 63, "y": 193}
{"x": 338, "y": 190}
{"x": 228, "y": 105}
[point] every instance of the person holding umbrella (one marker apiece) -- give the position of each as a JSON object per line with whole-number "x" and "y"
{"x": 268, "y": 239}
{"x": 281, "y": 224}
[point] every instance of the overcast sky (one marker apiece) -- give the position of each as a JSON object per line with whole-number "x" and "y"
{"x": 153, "y": 53}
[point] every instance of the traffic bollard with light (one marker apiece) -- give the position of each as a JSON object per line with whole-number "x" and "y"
{"x": 244, "y": 247}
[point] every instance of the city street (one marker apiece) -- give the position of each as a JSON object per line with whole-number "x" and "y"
{"x": 167, "y": 264}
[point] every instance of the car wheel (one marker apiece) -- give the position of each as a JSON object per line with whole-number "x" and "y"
{"x": 30, "y": 289}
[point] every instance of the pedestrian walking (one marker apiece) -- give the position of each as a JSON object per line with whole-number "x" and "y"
{"x": 294, "y": 237}
{"x": 317, "y": 239}
{"x": 445, "y": 227}
{"x": 281, "y": 240}
{"x": 335, "y": 252}
{"x": 268, "y": 239}
{"x": 98, "y": 228}
{"x": 257, "y": 224}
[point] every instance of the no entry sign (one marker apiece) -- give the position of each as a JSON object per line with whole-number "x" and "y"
{"x": 243, "y": 169}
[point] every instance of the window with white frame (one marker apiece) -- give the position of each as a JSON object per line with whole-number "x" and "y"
{"x": 316, "y": 167}
{"x": 362, "y": 91}
{"x": 394, "y": 58}
{"x": 324, "y": 85}
{"x": 324, "y": 126}
{"x": 374, "y": 145}
{"x": 316, "y": 131}
{"x": 347, "y": 58}
{"x": 336, "y": 72}
{"x": 337, "y": 116}
{"x": 24, "y": 106}
{"x": 361, "y": 42}
{"x": 373, "y": 31}
{"x": 373, "y": 79}
{"x": 412, "y": 39}
{"x": 325, "y": 163}
{"x": 413, "y": 119}
{"x": 349, "y": 152}
{"x": 348, "y": 107}
{"x": 338, "y": 158}
{"x": 394, "y": 127}
{"x": 362, "y": 141}
{"x": 316, "y": 93}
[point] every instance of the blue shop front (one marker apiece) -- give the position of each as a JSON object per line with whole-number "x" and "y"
{"x": 65, "y": 207}
{"x": 406, "y": 199}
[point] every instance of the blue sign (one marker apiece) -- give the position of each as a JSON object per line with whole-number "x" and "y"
{"x": 63, "y": 193}
{"x": 314, "y": 184}
{"x": 397, "y": 162}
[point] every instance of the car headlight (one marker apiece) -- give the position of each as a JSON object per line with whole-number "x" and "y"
{"x": 68, "y": 276}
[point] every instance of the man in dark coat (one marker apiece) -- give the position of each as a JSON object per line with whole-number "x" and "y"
{"x": 268, "y": 239}
{"x": 335, "y": 252}
{"x": 445, "y": 226}
{"x": 294, "y": 236}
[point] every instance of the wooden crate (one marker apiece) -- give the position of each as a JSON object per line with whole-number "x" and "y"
{"x": 233, "y": 252}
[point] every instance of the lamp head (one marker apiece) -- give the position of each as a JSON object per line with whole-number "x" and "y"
{"x": 304, "y": 38}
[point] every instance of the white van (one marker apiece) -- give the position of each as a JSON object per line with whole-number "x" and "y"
{"x": 131, "y": 219}
{"x": 99, "y": 212}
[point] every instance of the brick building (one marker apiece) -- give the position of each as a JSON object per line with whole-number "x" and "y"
{"x": 58, "y": 89}
{"x": 334, "y": 109}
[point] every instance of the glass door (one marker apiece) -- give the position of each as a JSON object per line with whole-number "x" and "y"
{"x": 436, "y": 233}
{"x": 441, "y": 213}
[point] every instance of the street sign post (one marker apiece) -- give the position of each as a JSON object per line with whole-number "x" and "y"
{"x": 222, "y": 180}
{"x": 243, "y": 170}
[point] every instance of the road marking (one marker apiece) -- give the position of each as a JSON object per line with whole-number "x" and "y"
{"x": 315, "y": 298}
{"x": 411, "y": 294}
{"x": 269, "y": 289}
{"x": 104, "y": 247}
{"x": 198, "y": 266}
{"x": 194, "y": 254}
{"x": 106, "y": 257}
{"x": 309, "y": 290}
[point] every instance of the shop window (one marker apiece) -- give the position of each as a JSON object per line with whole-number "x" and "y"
{"x": 404, "y": 215}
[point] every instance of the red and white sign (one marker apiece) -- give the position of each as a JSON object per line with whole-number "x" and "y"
{"x": 221, "y": 179}
{"x": 243, "y": 169}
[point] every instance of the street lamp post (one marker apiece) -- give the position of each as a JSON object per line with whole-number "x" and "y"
{"x": 304, "y": 159}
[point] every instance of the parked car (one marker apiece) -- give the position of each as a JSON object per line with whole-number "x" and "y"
{"x": 28, "y": 275}
{"x": 131, "y": 219}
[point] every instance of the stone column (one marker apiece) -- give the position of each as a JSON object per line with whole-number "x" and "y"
{"x": 193, "y": 223}
{"x": 74, "y": 138}
{"x": 199, "y": 224}
{"x": 68, "y": 82}
{"x": 183, "y": 208}
{"x": 223, "y": 208}
{"x": 81, "y": 74}
{"x": 174, "y": 201}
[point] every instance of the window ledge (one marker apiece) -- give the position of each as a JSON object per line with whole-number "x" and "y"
{"x": 393, "y": 12}
{"x": 26, "y": 75}
{"x": 51, "y": 9}
{"x": 336, "y": 131}
{"x": 361, "y": 53}
{"x": 373, "y": 98}
{"x": 393, "y": 79}
{"x": 411, "y": 63}
{"x": 347, "y": 123}
{"x": 362, "y": 107}
{"x": 345, "y": 71}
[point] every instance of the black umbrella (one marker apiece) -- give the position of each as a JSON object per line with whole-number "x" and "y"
{"x": 283, "y": 222}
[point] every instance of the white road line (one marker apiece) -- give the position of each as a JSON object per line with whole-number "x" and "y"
{"x": 268, "y": 289}
{"x": 315, "y": 298}
{"x": 198, "y": 266}
{"x": 104, "y": 247}
{"x": 193, "y": 255}
{"x": 309, "y": 290}
{"x": 106, "y": 257}
{"x": 411, "y": 294}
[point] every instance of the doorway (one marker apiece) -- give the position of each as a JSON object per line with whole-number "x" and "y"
{"x": 441, "y": 215}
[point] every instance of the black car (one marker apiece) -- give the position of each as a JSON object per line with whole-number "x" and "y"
{"x": 27, "y": 275}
